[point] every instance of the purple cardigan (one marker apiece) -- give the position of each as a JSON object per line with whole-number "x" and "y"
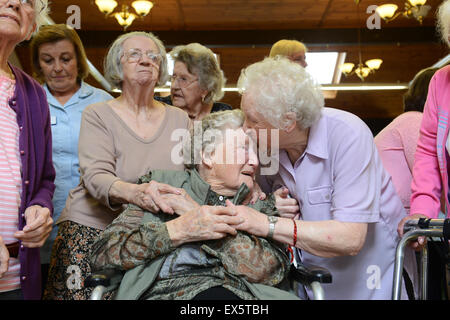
{"x": 38, "y": 174}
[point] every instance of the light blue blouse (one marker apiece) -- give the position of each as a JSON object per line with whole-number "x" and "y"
{"x": 65, "y": 123}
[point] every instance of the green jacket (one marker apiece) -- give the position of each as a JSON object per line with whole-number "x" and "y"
{"x": 138, "y": 241}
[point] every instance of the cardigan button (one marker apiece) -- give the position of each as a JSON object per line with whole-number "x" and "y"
{"x": 24, "y": 278}
{"x": 22, "y": 152}
{"x": 13, "y": 102}
{"x": 27, "y": 182}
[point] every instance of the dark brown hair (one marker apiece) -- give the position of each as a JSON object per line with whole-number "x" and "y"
{"x": 416, "y": 96}
{"x": 55, "y": 33}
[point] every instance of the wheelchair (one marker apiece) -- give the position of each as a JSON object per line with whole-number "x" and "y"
{"x": 312, "y": 277}
{"x": 430, "y": 228}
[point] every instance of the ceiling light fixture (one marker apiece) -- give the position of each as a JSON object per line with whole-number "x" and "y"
{"x": 124, "y": 17}
{"x": 413, "y": 9}
{"x": 362, "y": 70}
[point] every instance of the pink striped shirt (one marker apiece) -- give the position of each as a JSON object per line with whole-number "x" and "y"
{"x": 10, "y": 180}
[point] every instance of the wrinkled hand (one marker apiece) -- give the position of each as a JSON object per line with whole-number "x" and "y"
{"x": 38, "y": 226}
{"x": 180, "y": 203}
{"x": 257, "y": 193}
{"x": 253, "y": 222}
{"x": 206, "y": 223}
{"x": 421, "y": 241}
{"x": 286, "y": 206}
{"x": 148, "y": 196}
{"x": 4, "y": 258}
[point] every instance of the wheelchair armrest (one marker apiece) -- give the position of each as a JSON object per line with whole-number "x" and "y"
{"x": 106, "y": 278}
{"x": 306, "y": 275}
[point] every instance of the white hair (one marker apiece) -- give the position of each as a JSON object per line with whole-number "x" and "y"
{"x": 443, "y": 21}
{"x": 278, "y": 86}
{"x": 213, "y": 127}
{"x": 41, "y": 11}
{"x": 113, "y": 67}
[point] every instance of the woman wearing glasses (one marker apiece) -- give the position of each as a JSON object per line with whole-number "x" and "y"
{"x": 26, "y": 169}
{"x": 197, "y": 81}
{"x": 120, "y": 140}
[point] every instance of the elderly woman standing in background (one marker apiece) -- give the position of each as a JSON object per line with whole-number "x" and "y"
{"x": 431, "y": 167}
{"x": 59, "y": 61}
{"x": 26, "y": 169}
{"x": 292, "y": 49}
{"x": 398, "y": 141}
{"x": 120, "y": 140}
{"x": 197, "y": 81}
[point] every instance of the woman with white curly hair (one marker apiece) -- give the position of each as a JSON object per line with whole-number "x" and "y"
{"x": 329, "y": 163}
{"x": 27, "y": 173}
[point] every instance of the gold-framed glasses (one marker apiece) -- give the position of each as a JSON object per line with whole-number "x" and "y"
{"x": 135, "y": 55}
{"x": 183, "y": 81}
{"x": 29, "y": 3}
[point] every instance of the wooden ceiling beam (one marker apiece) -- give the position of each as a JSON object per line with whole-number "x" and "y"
{"x": 252, "y": 38}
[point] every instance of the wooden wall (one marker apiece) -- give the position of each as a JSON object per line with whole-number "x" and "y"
{"x": 401, "y": 62}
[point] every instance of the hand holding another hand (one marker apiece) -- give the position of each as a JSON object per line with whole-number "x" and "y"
{"x": 286, "y": 206}
{"x": 205, "y": 223}
{"x": 149, "y": 196}
{"x": 180, "y": 203}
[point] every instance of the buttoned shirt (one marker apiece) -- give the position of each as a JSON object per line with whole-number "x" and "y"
{"x": 340, "y": 177}
{"x": 65, "y": 124}
{"x": 35, "y": 146}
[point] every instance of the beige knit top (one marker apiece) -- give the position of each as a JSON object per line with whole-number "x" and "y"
{"x": 108, "y": 151}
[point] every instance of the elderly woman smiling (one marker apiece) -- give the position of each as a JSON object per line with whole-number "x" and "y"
{"x": 27, "y": 173}
{"x": 197, "y": 253}
{"x": 197, "y": 81}
{"x": 328, "y": 161}
{"x": 120, "y": 140}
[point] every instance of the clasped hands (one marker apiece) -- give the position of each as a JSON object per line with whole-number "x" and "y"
{"x": 37, "y": 229}
{"x": 199, "y": 223}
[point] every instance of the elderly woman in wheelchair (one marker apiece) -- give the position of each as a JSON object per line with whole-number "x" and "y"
{"x": 197, "y": 253}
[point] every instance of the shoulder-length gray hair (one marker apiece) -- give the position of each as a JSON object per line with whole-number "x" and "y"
{"x": 443, "y": 21}
{"x": 200, "y": 60}
{"x": 41, "y": 11}
{"x": 278, "y": 86}
{"x": 113, "y": 67}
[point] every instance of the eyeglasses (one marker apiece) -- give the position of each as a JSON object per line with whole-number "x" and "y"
{"x": 29, "y": 3}
{"x": 183, "y": 82}
{"x": 135, "y": 55}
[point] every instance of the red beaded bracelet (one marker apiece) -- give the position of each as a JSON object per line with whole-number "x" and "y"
{"x": 295, "y": 233}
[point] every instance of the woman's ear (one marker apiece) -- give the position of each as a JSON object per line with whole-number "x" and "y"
{"x": 291, "y": 119}
{"x": 207, "y": 160}
{"x": 204, "y": 94}
{"x": 31, "y": 31}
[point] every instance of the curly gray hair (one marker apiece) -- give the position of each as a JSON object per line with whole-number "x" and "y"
{"x": 113, "y": 67}
{"x": 278, "y": 86}
{"x": 201, "y": 61}
{"x": 211, "y": 133}
{"x": 443, "y": 21}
